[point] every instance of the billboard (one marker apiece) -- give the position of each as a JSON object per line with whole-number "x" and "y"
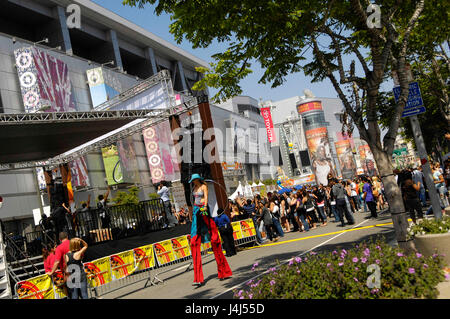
{"x": 103, "y": 85}
{"x": 367, "y": 160}
{"x": 44, "y": 81}
{"x": 319, "y": 150}
{"x": 309, "y": 106}
{"x": 113, "y": 168}
{"x": 346, "y": 159}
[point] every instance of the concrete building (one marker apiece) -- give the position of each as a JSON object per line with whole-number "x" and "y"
{"x": 246, "y": 154}
{"x": 287, "y": 118}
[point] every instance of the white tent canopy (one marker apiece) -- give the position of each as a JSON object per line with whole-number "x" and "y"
{"x": 239, "y": 191}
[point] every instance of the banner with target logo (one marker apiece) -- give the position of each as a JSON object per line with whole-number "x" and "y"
{"x": 40, "y": 287}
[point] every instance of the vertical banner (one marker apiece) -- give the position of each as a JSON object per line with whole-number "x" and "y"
{"x": 113, "y": 167}
{"x": 237, "y": 234}
{"x": 162, "y": 158}
{"x": 122, "y": 264}
{"x": 79, "y": 172}
{"x": 40, "y": 287}
{"x": 181, "y": 247}
{"x": 247, "y": 228}
{"x": 128, "y": 160}
{"x": 319, "y": 149}
{"x": 346, "y": 159}
{"x": 144, "y": 257}
{"x": 267, "y": 116}
{"x": 367, "y": 160}
{"x": 98, "y": 272}
{"x": 164, "y": 252}
{"x": 44, "y": 81}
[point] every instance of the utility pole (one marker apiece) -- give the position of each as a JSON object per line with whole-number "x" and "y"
{"x": 434, "y": 197}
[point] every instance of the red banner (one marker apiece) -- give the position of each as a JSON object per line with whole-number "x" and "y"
{"x": 310, "y": 106}
{"x": 267, "y": 116}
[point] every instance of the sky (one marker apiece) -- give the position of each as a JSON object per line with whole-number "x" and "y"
{"x": 159, "y": 25}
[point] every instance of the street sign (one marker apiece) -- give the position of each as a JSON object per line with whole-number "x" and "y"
{"x": 414, "y": 104}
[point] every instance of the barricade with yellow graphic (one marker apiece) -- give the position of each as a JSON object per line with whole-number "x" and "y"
{"x": 164, "y": 252}
{"x": 237, "y": 234}
{"x": 124, "y": 264}
{"x": 98, "y": 272}
{"x": 40, "y": 287}
{"x": 144, "y": 257}
{"x": 181, "y": 247}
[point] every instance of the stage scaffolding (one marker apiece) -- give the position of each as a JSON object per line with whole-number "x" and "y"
{"x": 143, "y": 118}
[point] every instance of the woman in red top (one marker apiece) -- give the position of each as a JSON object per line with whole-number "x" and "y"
{"x": 48, "y": 254}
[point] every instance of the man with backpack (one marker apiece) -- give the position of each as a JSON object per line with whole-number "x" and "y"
{"x": 341, "y": 205}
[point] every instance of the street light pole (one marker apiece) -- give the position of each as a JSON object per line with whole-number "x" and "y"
{"x": 434, "y": 197}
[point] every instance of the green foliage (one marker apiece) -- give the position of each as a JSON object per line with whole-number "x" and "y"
{"x": 430, "y": 226}
{"x": 343, "y": 275}
{"x": 127, "y": 197}
{"x": 153, "y": 196}
{"x": 269, "y": 182}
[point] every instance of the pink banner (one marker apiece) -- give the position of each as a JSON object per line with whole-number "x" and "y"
{"x": 267, "y": 116}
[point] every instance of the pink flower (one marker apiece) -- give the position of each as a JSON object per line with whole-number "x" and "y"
{"x": 356, "y": 268}
{"x": 355, "y": 259}
{"x": 375, "y": 290}
{"x": 411, "y": 270}
{"x": 378, "y": 247}
{"x": 366, "y": 252}
{"x": 298, "y": 260}
{"x": 355, "y": 279}
{"x": 328, "y": 265}
{"x": 250, "y": 296}
{"x": 377, "y": 261}
{"x": 341, "y": 264}
{"x": 291, "y": 262}
{"x": 313, "y": 253}
{"x": 334, "y": 252}
{"x": 241, "y": 297}
{"x": 344, "y": 251}
{"x": 272, "y": 282}
{"x": 400, "y": 255}
{"x": 418, "y": 255}
{"x": 425, "y": 266}
{"x": 363, "y": 260}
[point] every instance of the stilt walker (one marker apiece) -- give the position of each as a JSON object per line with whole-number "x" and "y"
{"x": 204, "y": 230}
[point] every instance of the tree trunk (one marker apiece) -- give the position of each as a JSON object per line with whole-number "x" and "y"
{"x": 394, "y": 198}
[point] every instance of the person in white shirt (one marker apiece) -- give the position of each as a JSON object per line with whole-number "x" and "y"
{"x": 163, "y": 192}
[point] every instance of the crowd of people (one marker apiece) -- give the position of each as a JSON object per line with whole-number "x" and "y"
{"x": 308, "y": 207}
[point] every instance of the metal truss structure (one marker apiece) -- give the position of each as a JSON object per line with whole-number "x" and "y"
{"x": 155, "y": 117}
{"x": 162, "y": 77}
{"x": 53, "y": 117}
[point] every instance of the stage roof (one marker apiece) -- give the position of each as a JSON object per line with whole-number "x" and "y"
{"x": 40, "y": 136}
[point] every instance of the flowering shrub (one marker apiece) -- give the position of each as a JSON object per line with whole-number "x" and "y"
{"x": 430, "y": 226}
{"x": 344, "y": 275}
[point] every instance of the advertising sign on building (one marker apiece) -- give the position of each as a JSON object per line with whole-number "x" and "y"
{"x": 309, "y": 106}
{"x": 319, "y": 149}
{"x": 367, "y": 160}
{"x": 346, "y": 159}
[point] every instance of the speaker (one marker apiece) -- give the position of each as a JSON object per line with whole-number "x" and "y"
{"x": 304, "y": 158}
{"x": 293, "y": 161}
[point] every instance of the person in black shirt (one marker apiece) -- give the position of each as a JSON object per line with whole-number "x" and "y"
{"x": 411, "y": 198}
{"x": 320, "y": 195}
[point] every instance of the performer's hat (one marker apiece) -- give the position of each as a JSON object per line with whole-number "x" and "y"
{"x": 195, "y": 176}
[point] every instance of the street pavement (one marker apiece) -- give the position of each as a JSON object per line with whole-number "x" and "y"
{"x": 177, "y": 284}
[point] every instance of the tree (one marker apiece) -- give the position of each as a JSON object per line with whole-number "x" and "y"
{"x": 277, "y": 35}
{"x": 124, "y": 197}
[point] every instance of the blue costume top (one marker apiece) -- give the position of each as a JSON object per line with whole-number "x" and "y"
{"x": 198, "y": 226}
